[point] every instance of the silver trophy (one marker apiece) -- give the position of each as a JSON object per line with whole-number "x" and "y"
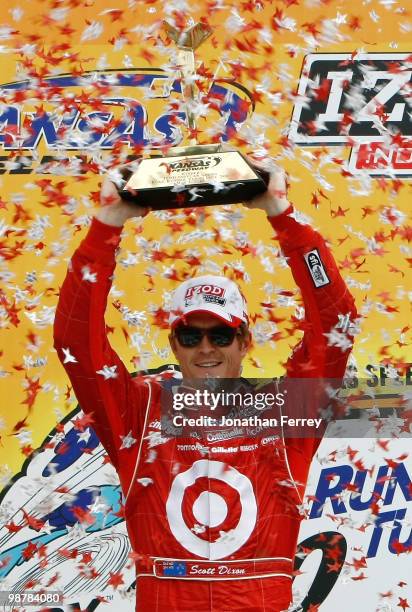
{"x": 193, "y": 175}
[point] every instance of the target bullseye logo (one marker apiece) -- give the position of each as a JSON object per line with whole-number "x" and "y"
{"x": 212, "y": 509}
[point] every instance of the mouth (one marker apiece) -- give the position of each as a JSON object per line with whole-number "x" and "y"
{"x": 208, "y": 364}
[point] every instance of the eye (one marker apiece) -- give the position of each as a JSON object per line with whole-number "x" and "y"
{"x": 188, "y": 336}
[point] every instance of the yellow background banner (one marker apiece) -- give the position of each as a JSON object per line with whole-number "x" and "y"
{"x": 259, "y": 46}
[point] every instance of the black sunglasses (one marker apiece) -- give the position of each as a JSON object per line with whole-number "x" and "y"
{"x": 221, "y": 335}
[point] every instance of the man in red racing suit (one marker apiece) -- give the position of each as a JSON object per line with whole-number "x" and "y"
{"x": 213, "y": 525}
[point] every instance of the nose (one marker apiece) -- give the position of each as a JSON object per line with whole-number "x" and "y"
{"x": 205, "y": 345}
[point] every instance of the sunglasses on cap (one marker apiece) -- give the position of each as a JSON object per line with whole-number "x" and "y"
{"x": 221, "y": 335}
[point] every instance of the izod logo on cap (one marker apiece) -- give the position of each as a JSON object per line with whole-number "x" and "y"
{"x": 208, "y": 293}
{"x": 204, "y": 289}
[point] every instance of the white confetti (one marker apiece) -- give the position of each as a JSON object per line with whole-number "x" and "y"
{"x": 93, "y": 31}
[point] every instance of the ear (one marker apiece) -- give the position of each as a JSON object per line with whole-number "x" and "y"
{"x": 245, "y": 344}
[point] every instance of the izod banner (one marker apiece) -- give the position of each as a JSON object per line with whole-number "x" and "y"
{"x": 323, "y": 87}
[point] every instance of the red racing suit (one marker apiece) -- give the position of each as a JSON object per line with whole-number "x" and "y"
{"x": 213, "y": 526}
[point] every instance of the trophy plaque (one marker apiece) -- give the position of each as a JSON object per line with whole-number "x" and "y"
{"x": 196, "y": 174}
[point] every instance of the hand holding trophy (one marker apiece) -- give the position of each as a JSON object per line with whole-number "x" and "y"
{"x": 193, "y": 175}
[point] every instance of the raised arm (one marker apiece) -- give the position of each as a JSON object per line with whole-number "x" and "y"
{"x": 103, "y": 386}
{"x": 329, "y": 307}
{"x": 329, "y": 313}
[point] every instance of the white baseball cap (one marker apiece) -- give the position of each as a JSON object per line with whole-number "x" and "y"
{"x": 215, "y": 295}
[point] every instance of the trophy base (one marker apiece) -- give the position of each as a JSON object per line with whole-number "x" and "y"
{"x": 199, "y": 175}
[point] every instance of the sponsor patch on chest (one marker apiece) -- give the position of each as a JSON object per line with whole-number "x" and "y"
{"x": 316, "y": 268}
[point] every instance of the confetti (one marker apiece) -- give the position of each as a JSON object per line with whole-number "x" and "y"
{"x": 57, "y": 140}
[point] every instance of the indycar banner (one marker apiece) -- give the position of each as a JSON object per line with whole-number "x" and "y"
{"x": 324, "y": 90}
{"x": 361, "y": 100}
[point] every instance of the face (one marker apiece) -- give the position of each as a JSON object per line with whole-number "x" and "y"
{"x": 206, "y": 360}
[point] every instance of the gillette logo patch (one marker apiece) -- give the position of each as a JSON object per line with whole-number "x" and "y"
{"x": 212, "y": 294}
{"x": 316, "y": 268}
